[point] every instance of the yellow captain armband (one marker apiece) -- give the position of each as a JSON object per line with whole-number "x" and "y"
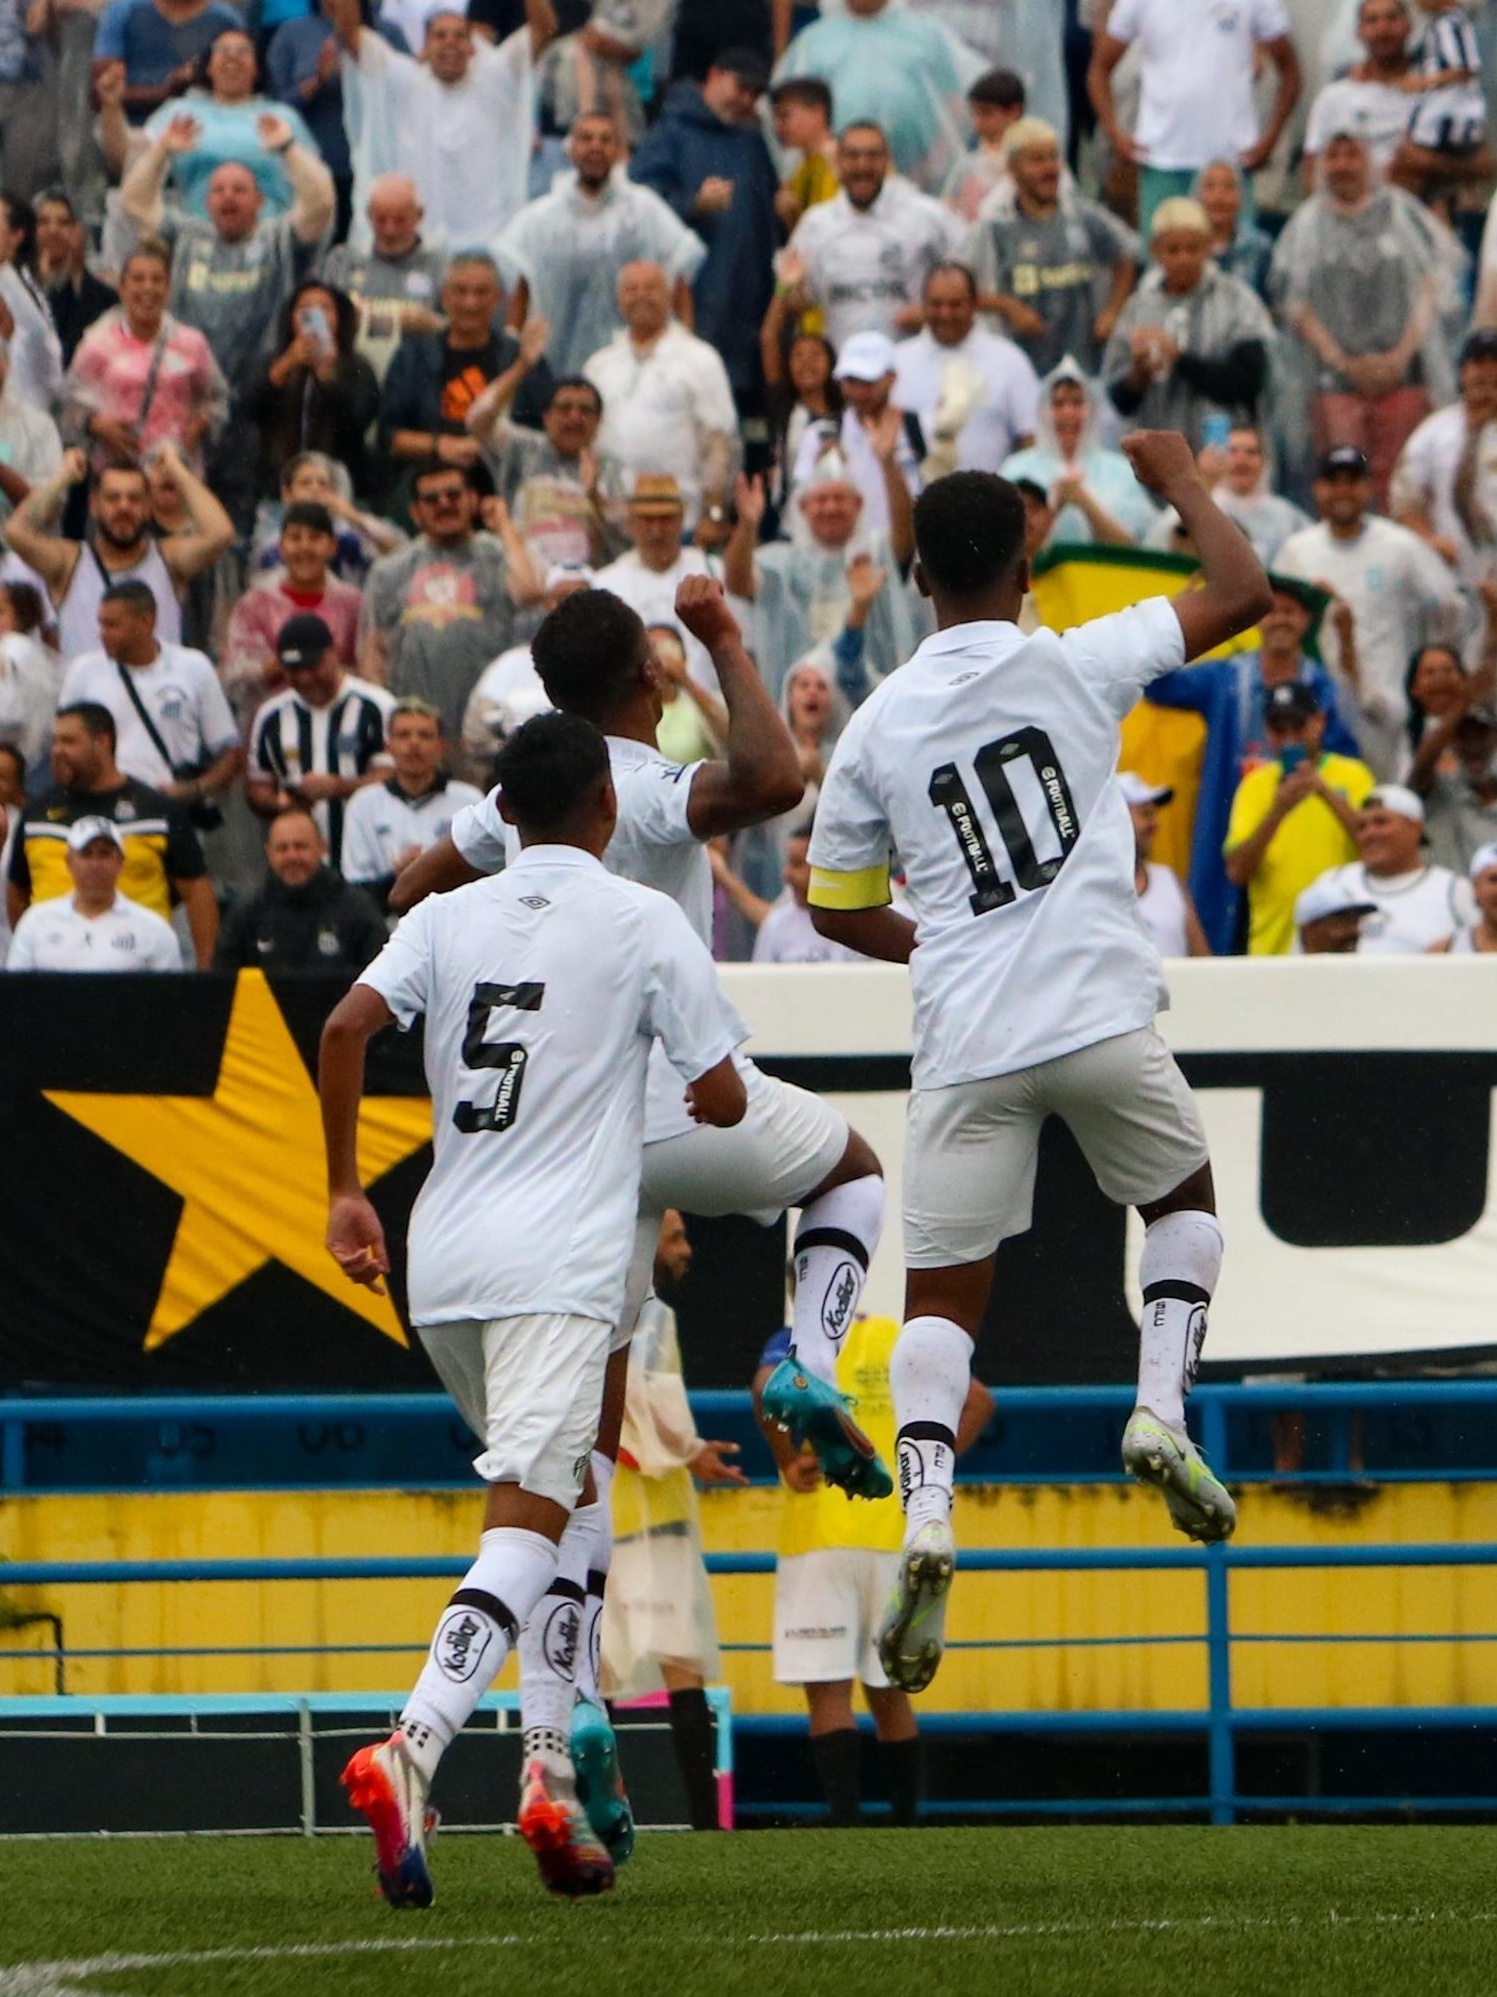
{"x": 867, "y": 889}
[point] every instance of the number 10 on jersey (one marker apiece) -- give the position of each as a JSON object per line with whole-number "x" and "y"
{"x": 993, "y": 763}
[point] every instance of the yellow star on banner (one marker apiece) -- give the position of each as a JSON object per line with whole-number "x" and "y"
{"x": 248, "y": 1163}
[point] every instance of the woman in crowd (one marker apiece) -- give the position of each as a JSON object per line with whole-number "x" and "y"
{"x": 318, "y": 394}
{"x": 25, "y": 317}
{"x": 694, "y": 725}
{"x": 1093, "y": 490}
{"x": 140, "y": 378}
{"x": 1441, "y": 693}
{"x": 225, "y": 103}
{"x": 803, "y": 390}
{"x": 30, "y": 674}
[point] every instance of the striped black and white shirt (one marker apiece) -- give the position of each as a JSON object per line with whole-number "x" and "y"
{"x": 344, "y": 739}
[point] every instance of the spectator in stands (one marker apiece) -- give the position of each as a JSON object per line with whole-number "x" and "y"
{"x": 804, "y": 395}
{"x": 173, "y": 729}
{"x": 1244, "y": 494}
{"x": 693, "y": 723}
{"x": 595, "y": 67}
{"x": 1092, "y": 490}
{"x": 806, "y": 590}
{"x": 1439, "y": 691}
{"x": 120, "y": 548}
{"x": 803, "y": 126}
{"x": 147, "y": 50}
{"x": 706, "y": 156}
{"x": 1462, "y": 804}
{"x": 1164, "y": 904}
{"x": 995, "y": 103}
{"x": 163, "y": 859}
{"x": 1238, "y": 245}
{"x": 509, "y": 691}
{"x": 891, "y": 68}
{"x": 141, "y": 378}
{"x": 30, "y": 447}
{"x": 649, "y": 574}
{"x": 785, "y": 931}
{"x": 318, "y": 394}
{"x": 75, "y": 297}
{"x": 305, "y": 918}
{"x": 389, "y": 824}
{"x": 95, "y": 928}
{"x": 302, "y": 584}
{"x": 1417, "y": 905}
{"x": 395, "y": 279}
{"x": 314, "y": 479}
{"x": 1327, "y": 919}
{"x": 559, "y": 491}
{"x": 459, "y": 123}
{"x": 228, "y": 111}
{"x": 1293, "y": 818}
{"x": 35, "y": 351}
{"x": 1057, "y": 267}
{"x": 1232, "y": 696}
{"x": 1197, "y": 97}
{"x": 1371, "y": 100}
{"x": 1357, "y": 280}
{"x": 880, "y": 447}
{"x": 30, "y": 674}
{"x": 303, "y": 68}
{"x": 321, "y": 739}
{"x": 562, "y": 254}
{"x": 439, "y": 610}
{"x": 1479, "y": 937}
{"x": 975, "y": 392}
{"x": 435, "y": 378}
{"x": 28, "y": 109}
{"x": 667, "y": 400}
{"x": 1191, "y": 340}
{"x": 12, "y": 802}
{"x": 1400, "y": 594}
{"x": 1445, "y": 487}
{"x": 862, "y": 258}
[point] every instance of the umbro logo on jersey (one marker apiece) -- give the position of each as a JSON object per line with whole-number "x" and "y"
{"x": 534, "y": 901}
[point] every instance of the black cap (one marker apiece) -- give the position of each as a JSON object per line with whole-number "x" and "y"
{"x": 1345, "y": 458}
{"x": 302, "y": 640}
{"x": 1293, "y": 701}
{"x": 748, "y": 65}
{"x": 1480, "y": 346}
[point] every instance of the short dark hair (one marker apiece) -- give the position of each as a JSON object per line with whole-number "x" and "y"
{"x": 812, "y": 91}
{"x": 1030, "y": 488}
{"x": 435, "y": 467}
{"x": 26, "y": 606}
{"x": 309, "y": 513}
{"x": 1002, "y": 88}
{"x": 96, "y": 719}
{"x": 57, "y": 197}
{"x": 575, "y": 381}
{"x": 587, "y": 653}
{"x": 953, "y": 267}
{"x": 864, "y": 125}
{"x": 136, "y": 596}
{"x": 548, "y": 768}
{"x": 10, "y": 749}
{"x": 969, "y": 530}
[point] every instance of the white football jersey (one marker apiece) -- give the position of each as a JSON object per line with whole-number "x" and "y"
{"x": 653, "y": 844}
{"x": 55, "y": 936}
{"x": 988, "y": 765}
{"x": 543, "y": 990}
{"x": 1411, "y": 911}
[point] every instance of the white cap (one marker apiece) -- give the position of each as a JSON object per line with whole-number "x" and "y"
{"x": 561, "y": 573}
{"x": 1328, "y": 896}
{"x": 865, "y": 357}
{"x": 84, "y": 831}
{"x": 1138, "y": 790}
{"x": 1482, "y": 858}
{"x": 1397, "y": 798}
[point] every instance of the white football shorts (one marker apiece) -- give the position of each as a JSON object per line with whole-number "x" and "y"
{"x": 970, "y": 1149}
{"x": 828, "y": 1605}
{"x": 532, "y": 1389}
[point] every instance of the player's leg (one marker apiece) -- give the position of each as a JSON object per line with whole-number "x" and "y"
{"x": 902, "y": 1749}
{"x": 836, "y": 1751}
{"x": 970, "y": 1154}
{"x": 694, "y": 1737}
{"x": 1132, "y": 1113}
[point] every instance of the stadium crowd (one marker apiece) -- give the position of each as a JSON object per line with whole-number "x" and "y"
{"x": 340, "y": 346}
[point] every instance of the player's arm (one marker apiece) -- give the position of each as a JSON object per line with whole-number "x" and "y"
{"x": 850, "y": 898}
{"x": 759, "y": 777}
{"x": 873, "y": 932}
{"x": 439, "y": 870}
{"x": 718, "y": 1097}
{"x": 355, "y": 1237}
{"x": 1235, "y": 591}
{"x": 29, "y": 533}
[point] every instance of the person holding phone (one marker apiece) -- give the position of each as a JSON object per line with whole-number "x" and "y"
{"x": 319, "y": 393}
{"x": 1293, "y": 818}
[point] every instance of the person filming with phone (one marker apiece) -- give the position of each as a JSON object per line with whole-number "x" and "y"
{"x": 319, "y": 393}
{"x": 1293, "y": 818}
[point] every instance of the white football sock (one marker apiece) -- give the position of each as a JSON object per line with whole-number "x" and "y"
{"x": 929, "y": 1374}
{"x": 477, "y": 1632}
{"x": 551, "y": 1642}
{"x": 833, "y": 1246}
{"x": 590, "y": 1656}
{"x": 1178, "y": 1273}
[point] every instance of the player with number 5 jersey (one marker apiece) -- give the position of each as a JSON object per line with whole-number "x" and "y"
{"x": 987, "y": 764}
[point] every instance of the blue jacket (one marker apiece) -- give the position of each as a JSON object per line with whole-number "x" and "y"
{"x": 1228, "y": 693}
{"x": 690, "y": 144}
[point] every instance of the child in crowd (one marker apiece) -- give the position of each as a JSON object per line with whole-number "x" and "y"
{"x": 1447, "y": 127}
{"x": 996, "y": 101}
{"x": 803, "y": 124}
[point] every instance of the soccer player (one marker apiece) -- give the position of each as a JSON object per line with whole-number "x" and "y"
{"x": 988, "y": 763}
{"x": 543, "y": 992}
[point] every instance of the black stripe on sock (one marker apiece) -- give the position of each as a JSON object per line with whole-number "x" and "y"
{"x": 568, "y": 1590}
{"x": 597, "y": 1581}
{"x": 834, "y": 1237}
{"x": 1180, "y": 1293}
{"x": 491, "y": 1606}
{"x": 927, "y": 1431}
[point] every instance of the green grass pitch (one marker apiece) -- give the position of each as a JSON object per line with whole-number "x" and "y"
{"x": 1014, "y": 1912}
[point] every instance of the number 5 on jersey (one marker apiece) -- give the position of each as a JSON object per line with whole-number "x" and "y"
{"x": 993, "y": 764}
{"x": 510, "y": 1057}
